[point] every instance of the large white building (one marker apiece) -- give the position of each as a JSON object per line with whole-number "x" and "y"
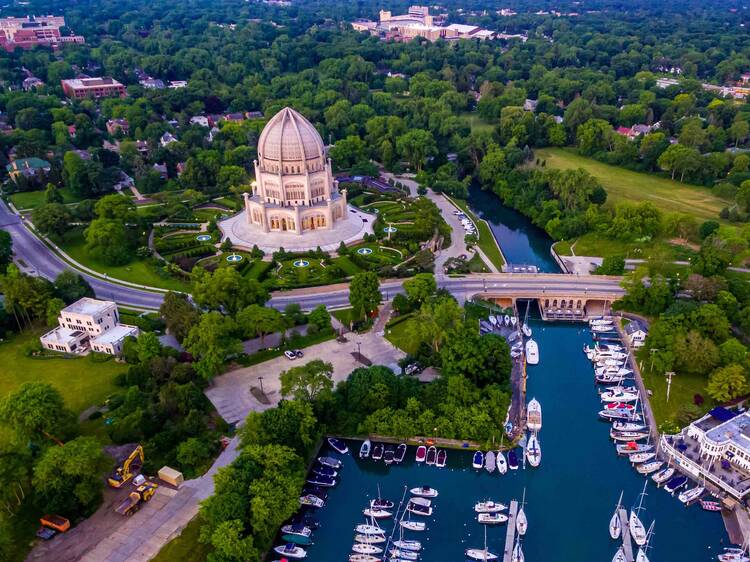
{"x": 89, "y": 324}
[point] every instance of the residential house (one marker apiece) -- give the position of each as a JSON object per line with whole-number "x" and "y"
{"x": 31, "y": 168}
{"x": 162, "y": 169}
{"x": 115, "y": 125}
{"x": 174, "y": 84}
{"x": 234, "y": 117}
{"x": 254, "y": 115}
{"x": 530, "y": 105}
{"x": 152, "y": 84}
{"x": 31, "y": 83}
{"x": 167, "y": 139}
{"x": 636, "y": 332}
{"x": 141, "y": 147}
{"x": 201, "y": 120}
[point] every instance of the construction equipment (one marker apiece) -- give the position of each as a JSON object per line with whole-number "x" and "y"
{"x": 56, "y": 522}
{"x": 136, "y": 499}
{"x": 129, "y": 468}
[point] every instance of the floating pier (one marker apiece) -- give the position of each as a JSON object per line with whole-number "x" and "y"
{"x": 510, "y": 532}
{"x": 627, "y": 544}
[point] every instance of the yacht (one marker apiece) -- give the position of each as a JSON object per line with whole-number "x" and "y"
{"x": 362, "y": 558}
{"x": 492, "y": 518}
{"x": 412, "y": 545}
{"x": 370, "y": 539}
{"x": 413, "y": 525}
{"x": 691, "y": 495}
{"x": 364, "y": 548}
{"x": 639, "y": 458}
{"x": 663, "y": 475}
{"x": 637, "y": 530}
{"x": 397, "y": 553}
{"x": 627, "y": 435}
{"x": 424, "y": 492}
{"x": 377, "y": 513}
{"x": 625, "y": 426}
{"x": 619, "y": 556}
{"x": 489, "y": 507}
{"x": 517, "y": 555}
{"x": 424, "y": 502}
{"x": 532, "y": 352}
{"x": 364, "y": 450}
{"x": 290, "y": 550}
{"x": 367, "y": 529}
{"x": 534, "y": 415}
{"x": 619, "y": 396}
{"x": 338, "y": 445}
{"x": 649, "y": 467}
{"x": 521, "y": 522}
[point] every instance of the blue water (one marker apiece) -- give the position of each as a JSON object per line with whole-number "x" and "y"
{"x": 570, "y": 497}
{"x": 522, "y": 242}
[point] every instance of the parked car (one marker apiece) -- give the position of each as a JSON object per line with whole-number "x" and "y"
{"x": 298, "y": 353}
{"x": 411, "y": 369}
{"x": 290, "y": 355}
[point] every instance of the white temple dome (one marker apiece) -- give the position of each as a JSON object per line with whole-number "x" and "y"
{"x": 289, "y": 138}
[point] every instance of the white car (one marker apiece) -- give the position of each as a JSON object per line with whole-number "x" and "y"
{"x": 290, "y": 355}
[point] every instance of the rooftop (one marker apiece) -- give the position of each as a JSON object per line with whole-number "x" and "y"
{"x": 115, "y": 334}
{"x": 91, "y": 82}
{"x": 88, "y": 305}
{"x": 635, "y": 326}
{"x": 62, "y": 334}
{"x": 735, "y": 429}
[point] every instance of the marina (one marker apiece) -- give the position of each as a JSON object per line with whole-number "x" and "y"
{"x": 579, "y": 482}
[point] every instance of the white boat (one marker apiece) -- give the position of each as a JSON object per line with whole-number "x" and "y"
{"x": 691, "y": 495}
{"x": 361, "y": 548}
{"x": 506, "y": 320}
{"x": 603, "y": 328}
{"x": 649, "y": 467}
{"x": 492, "y": 518}
{"x": 364, "y": 450}
{"x": 619, "y": 396}
{"x": 370, "y": 539}
{"x": 489, "y": 462}
{"x": 403, "y": 554}
{"x": 637, "y": 530}
{"x": 489, "y": 507}
{"x": 641, "y": 556}
{"x": 313, "y": 501}
{"x": 403, "y": 544}
{"x": 619, "y": 556}
{"x": 663, "y": 475}
{"x": 366, "y": 529}
{"x": 513, "y": 321}
{"x": 418, "y": 509}
{"x": 424, "y": 502}
{"x": 532, "y": 352}
{"x": 521, "y": 522}
{"x": 424, "y": 492}
{"x": 290, "y": 551}
{"x": 628, "y": 435}
{"x": 642, "y": 457}
{"x": 533, "y": 451}
{"x": 534, "y": 415}
{"x": 626, "y": 426}
{"x": 480, "y": 553}
{"x": 377, "y": 513}
{"x": 501, "y": 463}
{"x": 363, "y": 558}
{"x": 517, "y": 555}
{"x": 615, "y": 527}
{"x": 413, "y": 525}
{"x": 526, "y": 330}
{"x": 492, "y": 320}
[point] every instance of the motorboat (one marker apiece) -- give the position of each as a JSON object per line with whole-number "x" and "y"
{"x": 330, "y": 461}
{"x": 526, "y": 330}
{"x": 627, "y": 435}
{"x": 297, "y": 539}
{"x": 400, "y": 453}
{"x": 442, "y": 457}
{"x": 431, "y": 456}
{"x": 305, "y": 518}
{"x": 323, "y": 470}
{"x": 621, "y": 396}
{"x": 412, "y": 545}
{"x": 363, "y": 558}
{"x": 364, "y": 548}
{"x": 492, "y": 319}
{"x": 479, "y": 554}
{"x": 501, "y": 463}
{"x": 512, "y": 460}
{"x": 691, "y": 495}
{"x": 625, "y": 426}
{"x": 477, "y": 461}
{"x": 389, "y": 455}
{"x": 370, "y": 539}
{"x": 639, "y": 458}
{"x": 663, "y": 475}
{"x": 290, "y": 550}
{"x": 320, "y": 480}
{"x": 534, "y": 415}
{"x": 522, "y": 524}
{"x": 649, "y": 467}
{"x": 489, "y": 507}
{"x": 489, "y": 461}
{"x": 301, "y": 530}
{"x": 338, "y": 445}
{"x": 413, "y": 525}
{"x": 424, "y": 492}
{"x": 397, "y": 553}
{"x": 675, "y": 484}
{"x": 421, "y": 453}
{"x": 311, "y": 501}
{"x": 377, "y": 513}
{"x": 417, "y": 509}
{"x": 425, "y": 502}
{"x": 513, "y": 321}
{"x": 506, "y": 320}
{"x": 710, "y": 505}
{"x": 533, "y": 451}
{"x": 367, "y": 529}
{"x": 377, "y": 451}
{"x": 532, "y": 352}
{"x": 379, "y": 503}
{"x": 364, "y": 450}
{"x": 633, "y": 448}
{"x": 606, "y": 379}
{"x": 620, "y": 406}
{"x": 615, "y": 526}
{"x": 603, "y": 328}
{"x": 492, "y": 518}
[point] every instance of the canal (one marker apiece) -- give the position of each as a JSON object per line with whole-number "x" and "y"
{"x": 570, "y": 497}
{"x": 521, "y": 241}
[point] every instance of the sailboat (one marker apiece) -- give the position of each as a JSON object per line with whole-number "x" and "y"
{"x": 642, "y": 556}
{"x": 619, "y": 556}
{"x": 615, "y": 527}
{"x": 533, "y": 451}
{"x": 637, "y": 530}
{"x": 521, "y": 522}
{"x": 501, "y": 463}
{"x": 517, "y": 555}
{"x": 481, "y": 553}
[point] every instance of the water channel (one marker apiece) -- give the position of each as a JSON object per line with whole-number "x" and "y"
{"x": 522, "y": 242}
{"x": 570, "y": 497}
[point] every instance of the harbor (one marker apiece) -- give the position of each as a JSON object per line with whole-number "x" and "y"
{"x": 569, "y": 499}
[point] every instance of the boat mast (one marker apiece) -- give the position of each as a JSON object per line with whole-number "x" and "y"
{"x": 640, "y": 503}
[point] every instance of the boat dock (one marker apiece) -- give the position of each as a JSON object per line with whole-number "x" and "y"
{"x": 627, "y": 545}
{"x": 510, "y": 532}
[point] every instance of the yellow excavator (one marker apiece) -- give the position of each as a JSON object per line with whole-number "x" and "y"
{"x": 130, "y": 467}
{"x": 136, "y": 499}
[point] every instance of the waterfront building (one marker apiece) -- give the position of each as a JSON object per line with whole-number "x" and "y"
{"x": 636, "y": 331}
{"x": 89, "y": 324}
{"x": 714, "y": 449}
{"x": 80, "y": 88}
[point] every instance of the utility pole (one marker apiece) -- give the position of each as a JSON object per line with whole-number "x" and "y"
{"x": 653, "y": 351}
{"x": 669, "y": 376}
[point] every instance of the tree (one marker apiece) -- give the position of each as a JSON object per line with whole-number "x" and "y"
{"x": 179, "y": 315}
{"x": 68, "y": 478}
{"x": 713, "y": 258}
{"x": 493, "y": 167}
{"x": 595, "y": 135}
{"x": 634, "y": 221}
{"x": 115, "y": 207}
{"x": 225, "y": 289}
{"x": 307, "y": 381}
{"x": 707, "y": 228}
{"x": 739, "y": 131}
{"x": 420, "y": 287}
{"x": 258, "y": 321}
{"x": 54, "y": 306}
{"x": 416, "y": 145}
{"x": 52, "y": 194}
{"x": 6, "y": 250}
{"x": 292, "y": 422}
{"x": 52, "y": 219}
{"x": 611, "y": 265}
{"x": 319, "y": 320}
{"x": 348, "y": 151}
{"x": 71, "y": 286}
{"x": 107, "y": 240}
{"x": 678, "y": 158}
{"x": 193, "y": 452}
{"x": 364, "y": 293}
{"x": 727, "y": 383}
{"x": 148, "y": 346}
{"x": 36, "y": 410}
{"x": 232, "y": 177}
{"x": 435, "y": 321}
{"x": 212, "y": 340}
{"x": 483, "y": 359}
{"x": 25, "y": 296}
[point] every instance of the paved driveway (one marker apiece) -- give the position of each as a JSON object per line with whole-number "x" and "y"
{"x": 231, "y": 394}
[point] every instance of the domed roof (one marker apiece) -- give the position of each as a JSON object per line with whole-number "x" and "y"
{"x": 289, "y": 137}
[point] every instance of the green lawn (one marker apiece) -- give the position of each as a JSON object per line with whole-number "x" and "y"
{"x": 683, "y": 389}
{"x": 396, "y": 332}
{"x": 32, "y": 199}
{"x": 477, "y": 124}
{"x": 185, "y": 547}
{"x": 593, "y": 244}
{"x": 487, "y": 242}
{"x": 626, "y": 185}
{"x": 136, "y": 271}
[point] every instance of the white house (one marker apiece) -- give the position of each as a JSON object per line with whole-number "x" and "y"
{"x": 89, "y": 323}
{"x": 167, "y": 138}
{"x": 636, "y": 332}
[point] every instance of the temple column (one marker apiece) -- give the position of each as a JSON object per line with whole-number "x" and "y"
{"x": 265, "y": 217}
{"x": 297, "y": 221}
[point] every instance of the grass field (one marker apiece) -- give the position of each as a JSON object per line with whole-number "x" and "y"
{"x": 397, "y": 333}
{"x": 476, "y": 123}
{"x": 32, "y": 199}
{"x": 185, "y": 548}
{"x": 626, "y": 185}
{"x": 136, "y": 271}
{"x": 683, "y": 389}
{"x": 593, "y": 244}
{"x": 487, "y": 242}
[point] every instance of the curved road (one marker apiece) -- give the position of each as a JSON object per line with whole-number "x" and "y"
{"x": 38, "y": 259}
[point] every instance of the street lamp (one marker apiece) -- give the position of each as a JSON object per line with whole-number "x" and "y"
{"x": 359, "y": 352}
{"x": 260, "y": 380}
